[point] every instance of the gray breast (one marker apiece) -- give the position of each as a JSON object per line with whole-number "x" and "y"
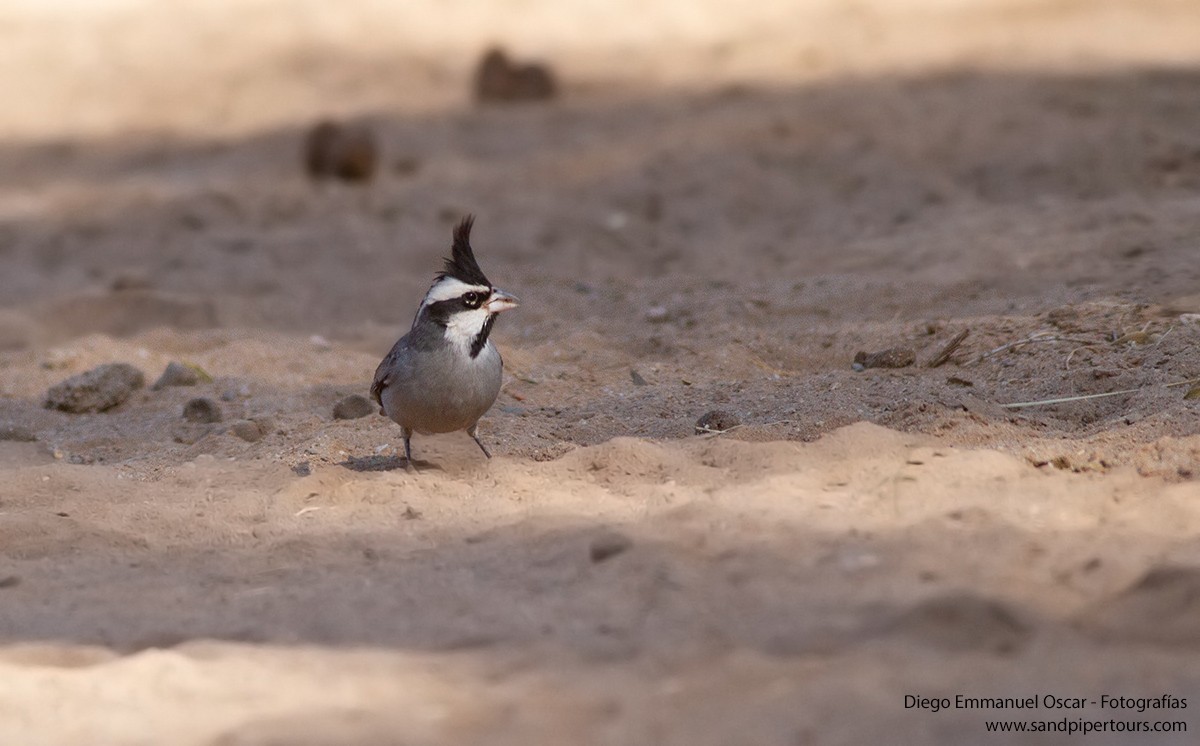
{"x": 441, "y": 390}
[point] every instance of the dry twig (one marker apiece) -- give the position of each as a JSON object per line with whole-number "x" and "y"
{"x": 1064, "y": 399}
{"x": 1031, "y": 339}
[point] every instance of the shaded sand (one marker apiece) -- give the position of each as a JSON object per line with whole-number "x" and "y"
{"x": 724, "y": 206}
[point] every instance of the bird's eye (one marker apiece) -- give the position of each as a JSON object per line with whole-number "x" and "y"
{"x": 472, "y": 299}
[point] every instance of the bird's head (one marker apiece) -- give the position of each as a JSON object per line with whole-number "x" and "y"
{"x": 462, "y": 301}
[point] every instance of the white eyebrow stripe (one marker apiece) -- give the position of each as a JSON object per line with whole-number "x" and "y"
{"x": 448, "y": 288}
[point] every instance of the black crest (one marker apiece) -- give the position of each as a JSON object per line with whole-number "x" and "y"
{"x": 462, "y": 265}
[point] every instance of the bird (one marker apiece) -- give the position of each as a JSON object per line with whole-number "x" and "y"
{"x": 445, "y": 373}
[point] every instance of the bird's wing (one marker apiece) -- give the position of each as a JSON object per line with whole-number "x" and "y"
{"x": 381, "y": 381}
{"x": 384, "y": 374}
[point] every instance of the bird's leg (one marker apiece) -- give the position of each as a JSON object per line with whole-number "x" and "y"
{"x": 478, "y": 442}
{"x": 408, "y": 460}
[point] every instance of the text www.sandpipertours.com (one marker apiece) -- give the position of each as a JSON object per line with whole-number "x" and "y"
{"x": 1100, "y": 718}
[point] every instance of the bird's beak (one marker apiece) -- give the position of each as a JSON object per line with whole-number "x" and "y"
{"x": 501, "y": 301}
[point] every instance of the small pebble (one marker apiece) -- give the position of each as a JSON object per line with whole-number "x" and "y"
{"x": 637, "y": 378}
{"x": 302, "y": 469}
{"x": 607, "y": 545}
{"x": 893, "y": 357}
{"x": 248, "y": 430}
{"x": 616, "y": 221}
{"x": 177, "y": 374}
{"x": 202, "y": 410}
{"x": 233, "y": 394}
{"x": 716, "y": 421}
{"x": 130, "y": 280}
{"x": 97, "y": 390}
{"x": 658, "y": 314}
{"x": 352, "y": 407}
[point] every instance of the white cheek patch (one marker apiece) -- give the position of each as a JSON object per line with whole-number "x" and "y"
{"x": 464, "y": 326}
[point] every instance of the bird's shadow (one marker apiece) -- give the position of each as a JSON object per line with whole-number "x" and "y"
{"x": 384, "y": 463}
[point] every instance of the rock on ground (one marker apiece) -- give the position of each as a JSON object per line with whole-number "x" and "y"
{"x": 97, "y": 390}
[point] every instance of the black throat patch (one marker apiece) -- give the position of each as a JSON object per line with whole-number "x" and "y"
{"x": 481, "y": 338}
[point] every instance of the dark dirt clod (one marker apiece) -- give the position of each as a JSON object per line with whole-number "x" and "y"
{"x": 337, "y": 151}
{"x": 716, "y": 421}
{"x": 352, "y": 407}
{"x": 97, "y": 390}
{"x": 608, "y": 545}
{"x": 202, "y": 410}
{"x": 497, "y": 78}
{"x": 893, "y": 357}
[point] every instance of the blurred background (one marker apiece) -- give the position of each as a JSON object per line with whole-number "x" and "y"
{"x": 908, "y": 142}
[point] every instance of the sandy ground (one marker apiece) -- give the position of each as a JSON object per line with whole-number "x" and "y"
{"x": 728, "y": 201}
